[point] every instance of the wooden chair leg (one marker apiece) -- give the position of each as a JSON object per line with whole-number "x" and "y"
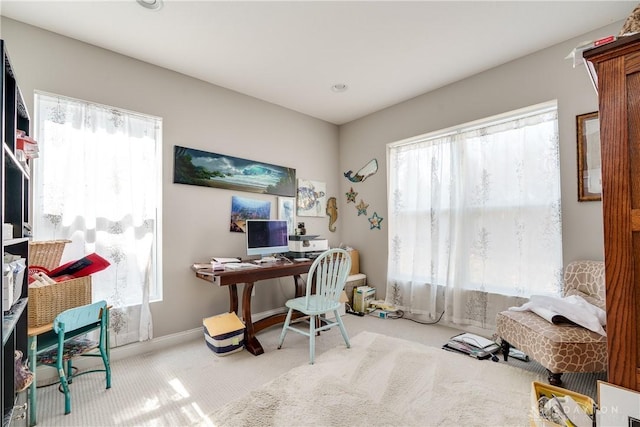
{"x": 69, "y": 371}
{"x": 65, "y": 387}
{"x": 342, "y": 328}
{"x": 107, "y": 366}
{"x": 312, "y": 339}
{"x": 284, "y": 328}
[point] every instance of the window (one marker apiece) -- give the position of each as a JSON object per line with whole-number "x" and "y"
{"x": 97, "y": 183}
{"x": 476, "y": 208}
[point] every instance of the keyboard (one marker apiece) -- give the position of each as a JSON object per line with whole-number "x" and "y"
{"x": 239, "y": 265}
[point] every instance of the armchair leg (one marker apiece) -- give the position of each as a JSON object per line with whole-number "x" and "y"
{"x": 505, "y": 346}
{"x": 554, "y": 379}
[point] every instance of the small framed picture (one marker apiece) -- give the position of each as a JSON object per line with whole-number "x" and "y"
{"x": 617, "y": 406}
{"x": 286, "y": 210}
{"x": 589, "y": 169}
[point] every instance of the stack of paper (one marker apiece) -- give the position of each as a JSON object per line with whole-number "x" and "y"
{"x": 222, "y": 260}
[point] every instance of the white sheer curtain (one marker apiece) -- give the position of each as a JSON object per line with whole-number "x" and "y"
{"x": 474, "y": 218}
{"x": 96, "y": 183}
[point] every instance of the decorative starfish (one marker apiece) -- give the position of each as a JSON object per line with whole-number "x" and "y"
{"x": 351, "y": 196}
{"x": 375, "y": 221}
{"x": 362, "y": 207}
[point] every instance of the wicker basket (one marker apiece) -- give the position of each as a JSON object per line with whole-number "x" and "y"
{"x": 46, "y": 302}
{"x": 46, "y": 254}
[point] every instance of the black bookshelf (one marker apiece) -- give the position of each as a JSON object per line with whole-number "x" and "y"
{"x": 14, "y": 170}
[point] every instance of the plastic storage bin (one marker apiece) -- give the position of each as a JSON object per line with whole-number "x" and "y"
{"x": 224, "y": 333}
{"x": 586, "y": 405}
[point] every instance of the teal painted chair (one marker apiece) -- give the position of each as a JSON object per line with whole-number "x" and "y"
{"x": 325, "y": 283}
{"x": 65, "y": 342}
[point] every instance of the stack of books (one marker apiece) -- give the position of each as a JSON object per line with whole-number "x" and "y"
{"x": 472, "y": 345}
{"x": 218, "y": 263}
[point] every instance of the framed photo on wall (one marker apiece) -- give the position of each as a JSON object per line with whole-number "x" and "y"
{"x": 286, "y": 211}
{"x": 589, "y": 163}
{"x": 243, "y": 209}
{"x": 311, "y": 198}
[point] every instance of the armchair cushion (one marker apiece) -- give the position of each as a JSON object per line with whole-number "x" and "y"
{"x": 586, "y": 279}
{"x": 561, "y": 348}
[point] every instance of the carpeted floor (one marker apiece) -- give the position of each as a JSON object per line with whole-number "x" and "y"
{"x": 385, "y": 381}
{"x": 182, "y": 385}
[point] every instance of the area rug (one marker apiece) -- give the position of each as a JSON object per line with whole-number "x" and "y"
{"x": 386, "y": 381}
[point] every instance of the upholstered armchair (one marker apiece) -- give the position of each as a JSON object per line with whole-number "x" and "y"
{"x": 560, "y": 347}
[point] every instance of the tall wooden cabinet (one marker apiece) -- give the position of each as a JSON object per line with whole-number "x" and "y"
{"x": 15, "y": 203}
{"x": 617, "y": 66}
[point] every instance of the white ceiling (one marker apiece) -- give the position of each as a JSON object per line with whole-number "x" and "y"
{"x": 290, "y": 53}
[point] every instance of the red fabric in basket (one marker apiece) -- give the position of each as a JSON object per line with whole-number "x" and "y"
{"x": 82, "y": 267}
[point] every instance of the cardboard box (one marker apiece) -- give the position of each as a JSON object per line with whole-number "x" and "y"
{"x": 342, "y": 310}
{"x": 355, "y": 262}
{"x": 585, "y": 404}
{"x": 362, "y": 295}
{"x": 224, "y": 333}
{"x": 354, "y": 281}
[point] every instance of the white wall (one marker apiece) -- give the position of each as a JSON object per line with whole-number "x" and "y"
{"x": 196, "y": 115}
{"x": 536, "y": 78}
{"x": 204, "y": 116}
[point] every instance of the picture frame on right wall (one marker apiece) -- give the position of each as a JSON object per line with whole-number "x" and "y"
{"x": 617, "y": 406}
{"x": 589, "y": 161}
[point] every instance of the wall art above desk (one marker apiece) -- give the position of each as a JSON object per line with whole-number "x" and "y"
{"x": 197, "y": 167}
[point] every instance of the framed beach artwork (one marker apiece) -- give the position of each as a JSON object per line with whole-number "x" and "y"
{"x": 312, "y": 198}
{"x": 286, "y": 211}
{"x": 243, "y": 209}
{"x": 197, "y": 167}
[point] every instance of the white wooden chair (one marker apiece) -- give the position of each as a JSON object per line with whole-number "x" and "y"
{"x": 325, "y": 284}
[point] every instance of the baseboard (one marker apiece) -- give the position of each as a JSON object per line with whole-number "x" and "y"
{"x": 263, "y": 314}
{"x": 47, "y": 375}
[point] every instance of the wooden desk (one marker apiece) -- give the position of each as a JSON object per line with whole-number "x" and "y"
{"x": 249, "y": 276}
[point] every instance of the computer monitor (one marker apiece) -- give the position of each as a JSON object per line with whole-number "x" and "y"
{"x": 267, "y": 236}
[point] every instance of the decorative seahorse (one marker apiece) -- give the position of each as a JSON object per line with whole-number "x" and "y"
{"x": 332, "y": 211}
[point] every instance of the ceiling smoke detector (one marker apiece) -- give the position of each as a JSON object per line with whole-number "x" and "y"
{"x": 339, "y": 87}
{"x": 150, "y": 4}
